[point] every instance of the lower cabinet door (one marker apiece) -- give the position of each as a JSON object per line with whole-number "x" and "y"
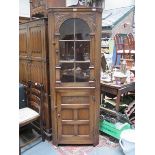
{"x": 75, "y": 111}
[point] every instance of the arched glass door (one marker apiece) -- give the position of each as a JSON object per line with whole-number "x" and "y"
{"x": 74, "y": 47}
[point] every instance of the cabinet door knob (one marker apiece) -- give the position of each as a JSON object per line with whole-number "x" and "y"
{"x": 58, "y": 115}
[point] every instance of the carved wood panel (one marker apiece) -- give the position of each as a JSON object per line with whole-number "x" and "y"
{"x": 23, "y": 42}
{"x": 23, "y": 70}
{"x": 37, "y": 3}
{"x": 39, "y": 8}
{"x": 36, "y": 71}
{"x": 75, "y": 117}
{"x": 89, "y": 18}
{"x": 35, "y": 41}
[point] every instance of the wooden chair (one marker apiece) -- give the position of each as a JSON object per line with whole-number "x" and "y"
{"x": 123, "y": 46}
{"x": 131, "y": 46}
{"x": 130, "y": 112}
{"x": 34, "y": 109}
{"x": 131, "y": 42}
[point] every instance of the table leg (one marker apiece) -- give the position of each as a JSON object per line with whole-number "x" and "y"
{"x": 19, "y": 150}
{"x": 118, "y": 100}
{"x": 19, "y": 146}
{"x": 102, "y": 97}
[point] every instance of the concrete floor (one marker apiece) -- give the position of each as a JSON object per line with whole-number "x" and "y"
{"x": 46, "y": 148}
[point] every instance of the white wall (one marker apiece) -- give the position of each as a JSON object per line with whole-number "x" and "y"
{"x": 24, "y": 8}
{"x": 112, "y": 4}
{"x": 71, "y": 2}
{"x": 109, "y": 4}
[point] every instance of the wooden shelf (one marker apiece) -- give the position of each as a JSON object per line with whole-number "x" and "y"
{"x": 72, "y": 61}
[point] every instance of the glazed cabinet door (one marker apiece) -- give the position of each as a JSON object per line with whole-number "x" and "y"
{"x": 74, "y": 55}
{"x": 75, "y": 113}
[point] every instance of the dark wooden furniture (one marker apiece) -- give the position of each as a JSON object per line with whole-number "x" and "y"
{"x": 22, "y": 96}
{"x": 34, "y": 109}
{"x": 33, "y": 60}
{"x": 124, "y": 47}
{"x": 131, "y": 41}
{"x": 23, "y": 19}
{"x": 117, "y": 90}
{"x": 38, "y": 8}
{"x": 74, "y": 43}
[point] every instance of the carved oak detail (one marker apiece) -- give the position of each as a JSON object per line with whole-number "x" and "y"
{"x": 89, "y": 18}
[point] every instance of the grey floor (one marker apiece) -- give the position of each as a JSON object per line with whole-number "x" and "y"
{"x": 45, "y": 148}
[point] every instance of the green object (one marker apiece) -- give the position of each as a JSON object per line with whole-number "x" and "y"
{"x": 112, "y": 129}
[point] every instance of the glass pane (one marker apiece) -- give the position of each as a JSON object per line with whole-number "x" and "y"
{"x": 66, "y": 50}
{"x": 82, "y": 50}
{"x": 82, "y": 72}
{"x": 67, "y": 30}
{"x": 81, "y": 30}
{"x": 67, "y": 72}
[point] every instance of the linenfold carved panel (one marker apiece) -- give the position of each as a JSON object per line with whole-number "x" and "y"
{"x": 36, "y": 72}
{"x": 23, "y": 66}
{"x": 23, "y": 42}
{"x": 37, "y": 3}
{"x": 35, "y": 41}
{"x": 89, "y": 18}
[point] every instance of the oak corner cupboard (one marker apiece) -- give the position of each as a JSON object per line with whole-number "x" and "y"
{"x": 74, "y": 54}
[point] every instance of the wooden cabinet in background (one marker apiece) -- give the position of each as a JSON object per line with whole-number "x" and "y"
{"x": 38, "y": 8}
{"x": 74, "y": 56}
{"x": 34, "y": 60}
{"x": 23, "y": 19}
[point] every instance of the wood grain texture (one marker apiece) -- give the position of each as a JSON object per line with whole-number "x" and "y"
{"x": 38, "y": 8}
{"x": 33, "y": 60}
{"x": 75, "y": 105}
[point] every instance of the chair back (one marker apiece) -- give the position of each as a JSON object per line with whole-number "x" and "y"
{"x": 35, "y": 100}
{"x": 131, "y": 41}
{"x": 35, "y": 96}
{"x": 121, "y": 42}
{"x": 118, "y": 40}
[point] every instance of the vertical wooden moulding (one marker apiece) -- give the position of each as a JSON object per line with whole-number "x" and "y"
{"x": 91, "y": 116}
{"x": 58, "y": 68}
{"x": 92, "y": 73}
{"x": 57, "y": 53}
{"x": 52, "y": 64}
{"x": 97, "y": 74}
{"x": 92, "y": 47}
